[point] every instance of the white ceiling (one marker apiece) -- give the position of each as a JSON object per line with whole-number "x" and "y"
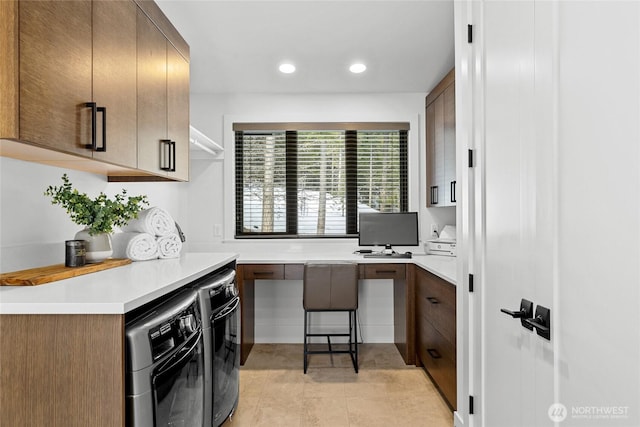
{"x": 236, "y": 46}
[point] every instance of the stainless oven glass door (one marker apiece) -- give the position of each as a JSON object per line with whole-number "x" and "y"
{"x": 178, "y": 387}
{"x": 226, "y": 360}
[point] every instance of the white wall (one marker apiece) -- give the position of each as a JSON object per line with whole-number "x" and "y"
{"x": 33, "y": 231}
{"x": 279, "y": 313}
{"x": 214, "y": 115}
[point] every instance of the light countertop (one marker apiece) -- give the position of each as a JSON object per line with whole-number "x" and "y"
{"x": 114, "y": 291}
{"x": 442, "y": 266}
{"x": 122, "y": 289}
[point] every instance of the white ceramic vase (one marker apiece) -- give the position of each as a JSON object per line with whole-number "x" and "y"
{"x": 98, "y": 246}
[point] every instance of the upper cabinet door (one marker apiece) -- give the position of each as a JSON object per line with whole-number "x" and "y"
{"x": 438, "y": 161}
{"x": 55, "y": 74}
{"x": 449, "y": 162}
{"x": 114, "y": 79}
{"x": 431, "y": 156}
{"x": 441, "y": 143}
{"x": 178, "y": 111}
{"x": 152, "y": 97}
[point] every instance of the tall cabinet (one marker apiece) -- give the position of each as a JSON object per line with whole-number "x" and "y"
{"x": 441, "y": 143}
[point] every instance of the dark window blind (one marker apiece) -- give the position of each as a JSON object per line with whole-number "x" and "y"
{"x": 314, "y": 183}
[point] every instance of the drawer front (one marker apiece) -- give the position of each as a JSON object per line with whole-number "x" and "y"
{"x": 436, "y": 301}
{"x": 263, "y": 271}
{"x": 439, "y": 359}
{"x": 384, "y": 271}
{"x": 293, "y": 271}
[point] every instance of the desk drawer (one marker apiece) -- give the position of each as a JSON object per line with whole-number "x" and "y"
{"x": 263, "y": 271}
{"x": 439, "y": 358}
{"x": 436, "y": 302}
{"x": 383, "y": 271}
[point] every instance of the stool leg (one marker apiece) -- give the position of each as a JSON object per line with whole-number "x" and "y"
{"x": 305, "y": 341}
{"x": 355, "y": 330}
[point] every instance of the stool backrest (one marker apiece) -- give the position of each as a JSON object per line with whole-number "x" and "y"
{"x": 330, "y": 286}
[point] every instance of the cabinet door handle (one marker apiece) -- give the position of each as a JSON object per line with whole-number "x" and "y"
{"x": 433, "y": 300}
{"x": 434, "y": 195}
{"x": 173, "y": 157}
{"x": 434, "y": 353}
{"x": 94, "y": 125}
{"x": 94, "y": 112}
{"x": 385, "y": 271}
{"x": 167, "y": 155}
{"x": 453, "y": 191}
{"x": 102, "y": 110}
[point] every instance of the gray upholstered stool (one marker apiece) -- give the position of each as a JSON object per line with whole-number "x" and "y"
{"x": 331, "y": 287}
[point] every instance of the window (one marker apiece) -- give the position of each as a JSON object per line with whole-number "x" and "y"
{"x": 313, "y": 179}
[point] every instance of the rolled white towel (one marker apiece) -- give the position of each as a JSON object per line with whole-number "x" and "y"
{"x": 135, "y": 246}
{"x": 154, "y": 221}
{"x": 169, "y": 246}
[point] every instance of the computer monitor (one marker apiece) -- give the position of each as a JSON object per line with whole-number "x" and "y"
{"x": 388, "y": 229}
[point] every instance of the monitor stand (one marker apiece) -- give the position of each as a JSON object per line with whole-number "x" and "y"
{"x": 387, "y": 252}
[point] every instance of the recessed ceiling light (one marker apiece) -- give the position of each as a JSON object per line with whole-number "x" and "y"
{"x": 357, "y": 68}
{"x": 287, "y": 68}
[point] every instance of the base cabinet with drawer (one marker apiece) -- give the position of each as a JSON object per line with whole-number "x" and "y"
{"x": 436, "y": 331}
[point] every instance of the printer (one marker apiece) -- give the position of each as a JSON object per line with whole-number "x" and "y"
{"x": 445, "y": 244}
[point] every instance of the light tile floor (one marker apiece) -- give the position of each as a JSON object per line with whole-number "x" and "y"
{"x": 386, "y": 392}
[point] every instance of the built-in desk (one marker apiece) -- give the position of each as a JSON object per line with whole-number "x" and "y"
{"x": 291, "y": 267}
{"x": 403, "y": 301}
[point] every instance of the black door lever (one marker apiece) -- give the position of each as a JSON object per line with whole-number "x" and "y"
{"x": 525, "y": 313}
{"x": 515, "y": 314}
{"x": 542, "y": 322}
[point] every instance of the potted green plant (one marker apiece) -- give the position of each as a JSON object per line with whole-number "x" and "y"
{"x": 99, "y": 215}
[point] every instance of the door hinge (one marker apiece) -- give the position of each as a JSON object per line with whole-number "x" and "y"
{"x": 470, "y": 156}
{"x": 470, "y": 405}
{"x": 471, "y": 283}
{"x": 469, "y": 33}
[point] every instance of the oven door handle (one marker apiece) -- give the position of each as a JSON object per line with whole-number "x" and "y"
{"x": 178, "y": 358}
{"x": 227, "y": 310}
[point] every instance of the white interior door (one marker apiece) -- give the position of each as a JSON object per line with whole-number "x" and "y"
{"x": 556, "y": 133}
{"x": 515, "y": 259}
{"x": 598, "y": 293}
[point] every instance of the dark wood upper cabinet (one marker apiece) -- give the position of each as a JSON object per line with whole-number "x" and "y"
{"x": 114, "y": 78}
{"x": 178, "y": 110}
{"x": 122, "y": 56}
{"x": 55, "y": 74}
{"x": 152, "y": 94}
{"x": 441, "y": 143}
{"x": 163, "y": 104}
